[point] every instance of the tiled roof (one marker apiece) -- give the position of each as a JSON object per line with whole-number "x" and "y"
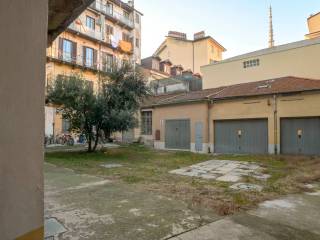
{"x": 272, "y": 86}
{"x": 266, "y": 87}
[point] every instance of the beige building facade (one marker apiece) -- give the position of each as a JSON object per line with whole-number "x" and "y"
{"x": 300, "y": 59}
{"x": 190, "y": 54}
{"x": 272, "y": 104}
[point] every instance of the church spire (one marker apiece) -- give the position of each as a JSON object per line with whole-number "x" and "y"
{"x": 271, "y": 40}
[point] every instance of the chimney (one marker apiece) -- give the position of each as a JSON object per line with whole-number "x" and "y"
{"x": 187, "y": 73}
{"x": 199, "y": 35}
{"x": 178, "y": 35}
{"x": 130, "y": 3}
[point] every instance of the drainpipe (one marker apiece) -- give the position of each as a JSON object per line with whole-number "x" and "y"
{"x": 209, "y": 126}
{"x": 275, "y": 123}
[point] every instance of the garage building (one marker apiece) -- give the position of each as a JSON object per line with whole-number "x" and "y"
{"x": 273, "y": 116}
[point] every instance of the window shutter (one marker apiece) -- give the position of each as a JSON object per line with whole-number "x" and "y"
{"x": 95, "y": 58}
{"x": 60, "y": 49}
{"x": 104, "y": 61}
{"x": 84, "y": 55}
{"x": 74, "y": 52}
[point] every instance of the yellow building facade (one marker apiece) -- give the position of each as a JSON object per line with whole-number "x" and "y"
{"x": 106, "y": 34}
{"x": 298, "y": 59}
{"x": 190, "y": 54}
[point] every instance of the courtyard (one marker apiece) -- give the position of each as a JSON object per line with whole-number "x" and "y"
{"x": 134, "y": 192}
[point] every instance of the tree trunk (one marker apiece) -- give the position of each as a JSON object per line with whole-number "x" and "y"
{"x": 89, "y": 143}
{"x": 96, "y": 140}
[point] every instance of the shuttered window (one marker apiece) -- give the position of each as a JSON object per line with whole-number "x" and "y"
{"x": 107, "y": 62}
{"x": 89, "y": 57}
{"x": 67, "y": 50}
{"x": 109, "y": 29}
{"x": 146, "y": 123}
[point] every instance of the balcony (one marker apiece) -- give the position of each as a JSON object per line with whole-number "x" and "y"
{"x": 78, "y": 26}
{"x": 67, "y": 58}
{"x": 115, "y": 16}
{"x": 54, "y": 54}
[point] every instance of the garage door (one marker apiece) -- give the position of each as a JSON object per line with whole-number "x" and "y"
{"x": 300, "y": 136}
{"x": 177, "y": 134}
{"x": 241, "y": 136}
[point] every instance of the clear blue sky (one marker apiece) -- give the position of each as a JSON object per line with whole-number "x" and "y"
{"x": 239, "y": 25}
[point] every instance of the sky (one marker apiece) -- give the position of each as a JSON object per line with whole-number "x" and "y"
{"x": 241, "y": 26}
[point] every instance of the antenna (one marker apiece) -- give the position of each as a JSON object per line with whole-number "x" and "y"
{"x": 271, "y": 40}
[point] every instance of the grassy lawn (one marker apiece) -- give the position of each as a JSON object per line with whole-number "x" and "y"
{"x": 148, "y": 169}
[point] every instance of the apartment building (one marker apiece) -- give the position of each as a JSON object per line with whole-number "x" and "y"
{"x": 190, "y": 54}
{"x": 106, "y": 34}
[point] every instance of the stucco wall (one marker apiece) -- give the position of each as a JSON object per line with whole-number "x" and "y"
{"x": 299, "y": 62}
{"x": 301, "y": 105}
{"x": 250, "y": 108}
{"x": 196, "y": 112}
{"x": 183, "y": 52}
{"x": 242, "y": 108}
{"x": 22, "y": 80}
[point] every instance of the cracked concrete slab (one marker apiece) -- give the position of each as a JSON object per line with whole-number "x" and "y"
{"x": 223, "y": 170}
{"x": 89, "y": 209}
{"x": 295, "y": 217}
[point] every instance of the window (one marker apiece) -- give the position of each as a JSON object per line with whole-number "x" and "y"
{"x": 109, "y": 29}
{"x": 67, "y": 50}
{"x": 126, "y": 37}
{"x": 90, "y": 22}
{"x": 146, "y": 123}
{"x": 155, "y": 65}
{"x": 65, "y": 125}
{"x": 88, "y": 57}
{"x": 109, "y": 63}
{"x": 166, "y": 68}
{"x": 137, "y": 18}
{"x": 251, "y": 63}
{"x": 137, "y": 42}
{"x": 109, "y": 8}
{"x": 126, "y": 14}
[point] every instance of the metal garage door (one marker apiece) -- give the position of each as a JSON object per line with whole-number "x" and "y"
{"x": 241, "y": 136}
{"x": 177, "y": 134}
{"x": 300, "y": 136}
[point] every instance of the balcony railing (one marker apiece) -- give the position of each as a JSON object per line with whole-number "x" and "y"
{"x": 79, "y": 27}
{"x": 99, "y": 6}
{"x": 78, "y": 60}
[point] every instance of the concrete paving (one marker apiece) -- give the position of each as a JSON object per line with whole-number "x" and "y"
{"x": 223, "y": 170}
{"x": 295, "y": 217}
{"x": 89, "y": 207}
